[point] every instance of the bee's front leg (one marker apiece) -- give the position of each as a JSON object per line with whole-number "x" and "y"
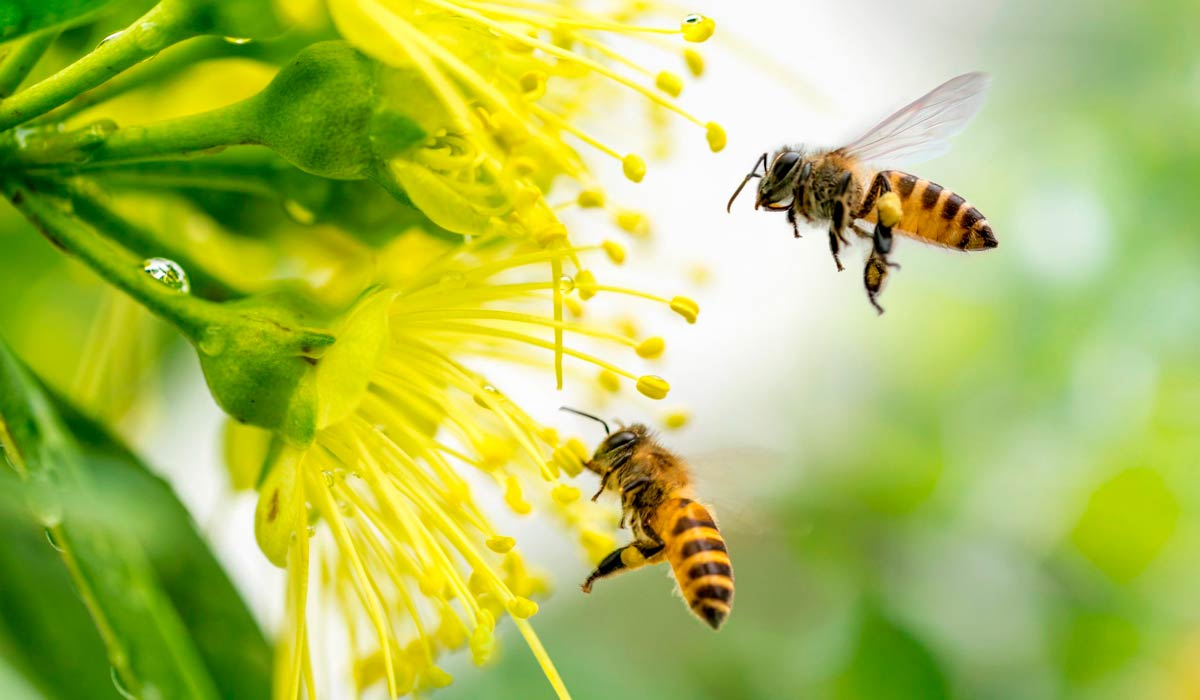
{"x": 631, "y": 556}
{"x": 791, "y": 217}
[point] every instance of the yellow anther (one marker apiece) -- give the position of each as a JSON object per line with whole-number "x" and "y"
{"x": 653, "y": 387}
{"x": 565, "y": 493}
{"x": 633, "y": 222}
{"x": 450, "y": 633}
{"x": 628, "y": 327}
{"x": 526, "y": 197}
{"x": 677, "y": 419}
{"x": 697, "y": 28}
{"x": 494, "y": 452}
{"x": 478, "y": 584}
{"x": 590, "y": 199}
{"x": 524, "y": 166}
{"x": 483, "y": 640}
{"x": 890, "y": 209}
{"x": 616, "y": 251}
{"x": 574, "y": 306}
{"x": 548, "y": 235}
{"x": 651, "y": 347}
{"x": 548, "y": 434}
{"x": 632, "y": 557}
{"x": 501, "y": 544}
{"x": 685, "y": 307}
{"x": 596, "y": 544}
{"x": 533, "y": 84}
{"x": 432, "y": 584}
{"x": 566, "y": 457}
{"x": 585, "y": 283}
{"x": 634, "y": 167}
{"x": 669, "y": 83}
{"x": 521, "y": 608}
{"x": 609, "y": 381}
{"x": 434, "y": 677}
{"x": 715, "y": 135}
{"x": 515, "y": 498}
{"x": 695, "y": 62}
{"x": 576, "y": 447}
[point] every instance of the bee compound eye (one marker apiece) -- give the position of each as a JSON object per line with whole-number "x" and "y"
{"x": 620, "y": 439}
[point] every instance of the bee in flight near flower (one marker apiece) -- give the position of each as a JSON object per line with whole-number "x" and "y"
{"x": 854, "y": 183}
{"x": 667, "y": 524}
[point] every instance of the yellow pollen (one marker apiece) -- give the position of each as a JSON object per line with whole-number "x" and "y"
{"x": 653, "y": 387}
{"x": 685, "y": 307}
{"x": 677, "y": 418}
{"x": 634, "y": 167}
{"x": 483, "y": 639}
{"x": 695, "y": 62}
{"x": 501, "y": 544}
{"x": 521, "y": 608}
{"x": 651, "y": 347}
{"x": 669, "y": 83}
{"x": 634, "y": 223}
{"x": 631, "y": 557}
{"x": 616, "y": 252}
{"x": 515, "y": 498}
{"x": 585, "y": 283}
{"x": 533, "y": 84}
{"x": 890, "y": 210}
{"x": 697, "y": 28}
{"x": 715, "y": 135}
{"x": 609, "y": 381}
{"x": 565, "y": 494}
{"x": 590, "y": 199}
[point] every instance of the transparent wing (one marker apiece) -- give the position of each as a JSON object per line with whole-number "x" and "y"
{"x": 919, "y": 131}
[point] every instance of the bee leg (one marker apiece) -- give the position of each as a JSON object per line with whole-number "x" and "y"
{"x": 631, "y": 556}
{"x": 874, "y": 275}
{"x": 791, "y": 217}
{"x": 833, "y": 248}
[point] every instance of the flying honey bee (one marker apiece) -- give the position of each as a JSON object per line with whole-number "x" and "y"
{"x": 667, "y": 524}
{"x": 850, "y": 184}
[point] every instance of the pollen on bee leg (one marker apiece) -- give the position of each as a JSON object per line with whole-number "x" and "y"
{"x": 632, "y": 557}
{"x": 890, "y": 209}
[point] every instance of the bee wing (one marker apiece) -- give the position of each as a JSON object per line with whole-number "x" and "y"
{"x": 920, "y": 130}
{"x": 739, "y": 483}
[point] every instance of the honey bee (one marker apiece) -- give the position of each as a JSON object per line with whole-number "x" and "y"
{"x": 667, "y": 523}
{"x": 853, "y": 183}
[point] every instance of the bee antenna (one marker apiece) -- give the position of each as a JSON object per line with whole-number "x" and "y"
{"x": 762, "y": 160}
{"x": 577, "y": 412}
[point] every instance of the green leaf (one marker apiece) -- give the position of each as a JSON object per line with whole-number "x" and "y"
{"x": 171, "y": 623}
{"x": 18, "y": 17}
{"x": 889, "y": 662}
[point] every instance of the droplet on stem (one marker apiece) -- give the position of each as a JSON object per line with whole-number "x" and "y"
{"x": 169, "y": 273}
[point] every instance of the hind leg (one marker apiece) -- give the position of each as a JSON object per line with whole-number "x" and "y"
{"x": 627, "y": 558}
{"x": 875, "y": 274}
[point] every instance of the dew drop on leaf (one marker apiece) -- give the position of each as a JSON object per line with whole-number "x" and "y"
{"x": 566, "y": 284}
{"x": 169, "y": 273}
{"x": 53, "y": 542}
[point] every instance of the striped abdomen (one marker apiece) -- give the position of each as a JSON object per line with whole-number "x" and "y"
{"x": 937, "y": 215}
{"x": 697, "y": 554}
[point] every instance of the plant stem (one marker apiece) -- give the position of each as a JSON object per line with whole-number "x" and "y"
{"x": 21, "y": 59}
{"x": 159, "y": 28}
{"x": 116, "y": 265}
{"x": 234, "y": 125}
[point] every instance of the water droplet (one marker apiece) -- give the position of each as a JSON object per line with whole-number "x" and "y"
{"x": 116, "y": 681}
{"x": 298, "y": 212}
{"x": 169, "y": 273}
{"x": 53, "y": 542}
{"x": 213, "y": 341}
{"x": 238, "y": 40}
{"x": 111, "y": 37}
{"x": 566, "y": 284}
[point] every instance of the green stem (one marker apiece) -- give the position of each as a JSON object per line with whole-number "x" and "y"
{"x": 159, "y": 28}
{"x": 21, "y": 59}
{"x": 116, "y": 265}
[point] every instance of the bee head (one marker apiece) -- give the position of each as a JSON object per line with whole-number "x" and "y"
{"x": 615, "y": 448}
{"x": 778, "y": 185}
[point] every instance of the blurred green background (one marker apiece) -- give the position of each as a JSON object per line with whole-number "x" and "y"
{"x": 997, "y": 486}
